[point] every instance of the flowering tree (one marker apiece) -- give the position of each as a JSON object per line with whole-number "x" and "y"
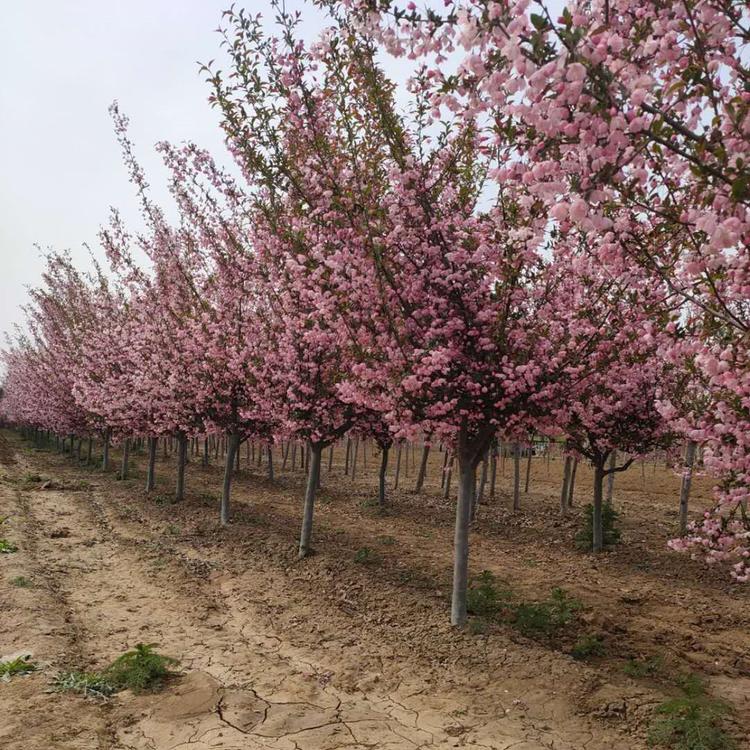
{"x": 631, "y": 121}
{"x": 385, "y": 238}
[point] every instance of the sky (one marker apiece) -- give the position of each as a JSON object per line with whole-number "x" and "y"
{"x": 63, "y": 64}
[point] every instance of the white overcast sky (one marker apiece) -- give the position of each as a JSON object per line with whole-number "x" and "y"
{"x": 63, "y": 63}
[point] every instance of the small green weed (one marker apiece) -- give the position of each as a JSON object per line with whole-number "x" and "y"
{"x": 588, "y": 646}
{"x": 484, "y": 598}
{"x": 644, "y": 667}
{"x": 173, "y": 530}
{"x": 7, "y": 547}
{"x": 87, "y": 683}
{"x": 21, "y": 582}
{"x": 366, "y": 556}
{"x": 692, "y": 721}
{"x": 141, "y": 669}
{"x": 17, "y": 666}
{"x": 163, "y": 499}
{"x": 32, "y": 478}
{"x": 610, "y": 533}
{"x": 547, "y": 617}
{"x": 387, "y": 540}
{"x": 208, "y": 499}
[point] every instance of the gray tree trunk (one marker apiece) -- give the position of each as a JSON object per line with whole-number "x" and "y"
{"x": 467, "y": 476}
{"x": 151, "y": 470}
{"x": 89, "y": 451}
{"x": 381, "y": 475}
{"x": 528, "y": 472}
{"x": 448, "y": 476}
{"x": 205, "y": 451}
{"x": 182, "y": 442}
{"x": 687, "y": 480}
{"x": 125, "y": 459}
{"x": 105, "y": 452}
{"x": 398, "y": 464}
{"x": 564, "y": 489}
{"x": 516, "y": 476}
{"x": 422, "y": 468}
{"x": 270, "y": 462}
{"x": 597, "y": 527}
{"x": 312, "y": 487}
{"x": 479, "y": 495}
{"x": 572, "y": 483}
{"x": 611, "y": 477}
{"x": 347, "y": 456}
{"x": 354, "y": 458}
{"x": 493, "y": 471}
{"x": 233, "y": 447}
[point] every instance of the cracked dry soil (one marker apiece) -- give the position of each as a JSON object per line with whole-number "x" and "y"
{"x": 284, "y": 655}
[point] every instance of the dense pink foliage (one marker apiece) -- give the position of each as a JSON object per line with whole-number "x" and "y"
{"x": 556, "y": 238}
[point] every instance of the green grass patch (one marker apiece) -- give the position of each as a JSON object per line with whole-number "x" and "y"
{"x": 644, "y": 667}
{"x": 21, "y": 582}
{"x": 7, "y": 547}
{"x": 141, "y": 670}
{"x": 691, "y": 721}
{"x": 90, "y": 684}
{"x": 19, "y": 665}
{"x": 485, "y": 598}
{"x": 366, "y": 556}
{"x": 547, "y": 617}
{"x": 610, "y": 533}
{"x": 588, "y": 646}
{"x": 489, "y": 600}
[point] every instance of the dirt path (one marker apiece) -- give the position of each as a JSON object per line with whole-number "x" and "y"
{"x": 323, "y": 654}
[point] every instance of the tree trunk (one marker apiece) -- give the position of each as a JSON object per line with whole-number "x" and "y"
{"x": 105, "y": 452}
{"x": 151, "y": 470}
{"x": 354, "y": 458}
{"x": 182, "y": 441}
{"x": 205, "y": 451}
{"x": 347, "y": 455}
{"x": 516, "y": 476}
{"x": 467, "y": 474}
{"x": 330, "y": 458}
{"x": 597, "y": 527}
{"x": 398, "y": 464}
{"x": 528, "y": 471}
{"x": 572, "y": 483}
{"x": 233, "y": 447}
{"x": 611, "y": 477}
{"x": 312, "y": 487}
{"x": 445, "y": 468}
{"x": 448, "y": 477}
{"x": 89, "y": 451}
{"x": 564, "y": 490}
{"x": 270, "y": 462}
{"x": 125, "y": 459}
{"x": 422, "y": 468}
{"x": 687, "y": 480}
{"x": 493, "y": 471}
{"x": 479, "y": 496}
{"x": 381, "y": 476}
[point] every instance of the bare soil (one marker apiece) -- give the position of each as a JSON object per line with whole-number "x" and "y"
{"x": 334, "y": 653}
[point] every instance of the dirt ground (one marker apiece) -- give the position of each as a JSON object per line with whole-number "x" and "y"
{"x": 347, "y": 649}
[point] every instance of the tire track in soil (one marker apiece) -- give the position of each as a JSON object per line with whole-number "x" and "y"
{"x": 36, "y": 620}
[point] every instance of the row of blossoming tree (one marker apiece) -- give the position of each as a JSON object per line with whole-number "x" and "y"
{"x": 550, "y": 240}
